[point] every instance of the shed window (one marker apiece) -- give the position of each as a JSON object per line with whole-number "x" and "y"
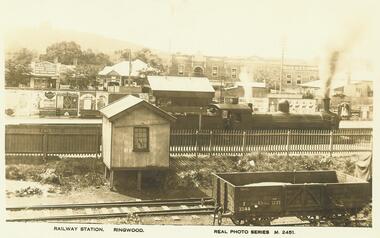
{"x": 140, "y": 139}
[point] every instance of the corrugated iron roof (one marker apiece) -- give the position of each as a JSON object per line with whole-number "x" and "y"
{"x": 184, "y": 84}
{"x": 226, "y": 106}
{"x": 251, "y": 84}
{"x": 319, "y": 84}
{"x": 106, "y": 70}
{"x": 122, "y": 68}
{"x": 128, "y": 102}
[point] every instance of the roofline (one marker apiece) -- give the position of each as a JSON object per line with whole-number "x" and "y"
{"x": 240, "y": 107}
{"x": 144, "y": 103}
{"x": 149, "y": 105}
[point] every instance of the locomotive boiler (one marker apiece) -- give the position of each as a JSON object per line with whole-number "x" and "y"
{"x": 241, "y": 117}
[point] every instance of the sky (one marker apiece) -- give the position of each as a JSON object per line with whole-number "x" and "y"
{"x": 214, "y": 27}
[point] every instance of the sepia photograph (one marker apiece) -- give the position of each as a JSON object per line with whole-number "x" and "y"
{"x": 177, "y": 117}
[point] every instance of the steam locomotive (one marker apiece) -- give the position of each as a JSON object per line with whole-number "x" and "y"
{"x": 239, "y": 116}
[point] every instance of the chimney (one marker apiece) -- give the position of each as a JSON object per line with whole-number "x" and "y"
{"x": 56, "y": 60}
{"x": 75, "y": 61}
{"x": 326, "y": 104}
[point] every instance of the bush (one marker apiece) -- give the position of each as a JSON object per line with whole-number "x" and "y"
{"x": 12, "y": 172}
{"x": 265, "y": 162}
{"x": 49, "y": 176}
{"x": 29, "y": 191}
{"x": 193, "y": 172}
{"x": 78, "y": 166}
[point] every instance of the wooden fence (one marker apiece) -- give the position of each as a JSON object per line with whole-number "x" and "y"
{"x": 239, "y": 142}
{"x": 85, "y": 140}
{"x": 51, "y": 140}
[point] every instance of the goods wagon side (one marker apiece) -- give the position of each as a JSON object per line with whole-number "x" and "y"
{"x": 261, "y": 197}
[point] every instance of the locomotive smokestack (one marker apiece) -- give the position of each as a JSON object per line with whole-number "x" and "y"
{"x": 326, "y": 104}
{"x": 283, "y": 106}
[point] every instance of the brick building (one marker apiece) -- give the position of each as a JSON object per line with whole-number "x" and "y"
{"x": 223, "y": 71}
{"x": 219, "y": 70}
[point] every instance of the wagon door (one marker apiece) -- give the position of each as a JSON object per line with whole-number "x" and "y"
{"x": 303, "y": 199}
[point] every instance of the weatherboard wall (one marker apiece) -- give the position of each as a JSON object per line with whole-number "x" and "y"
{"x": 123, "y": 156}
{"x": 107, "y": 142}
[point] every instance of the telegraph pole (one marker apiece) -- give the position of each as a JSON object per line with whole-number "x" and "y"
{"x": 282, "y": 61}
{"x": 130, "y": 67}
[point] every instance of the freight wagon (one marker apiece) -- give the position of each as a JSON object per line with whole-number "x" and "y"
{"x": 258, "y": 198}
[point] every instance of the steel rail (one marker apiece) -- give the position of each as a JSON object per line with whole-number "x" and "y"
{"x": 205, "y": 210}
{"x": 187, "y": 201}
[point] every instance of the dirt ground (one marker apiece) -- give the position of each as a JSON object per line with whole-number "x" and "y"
{"x": 82, "y": 181}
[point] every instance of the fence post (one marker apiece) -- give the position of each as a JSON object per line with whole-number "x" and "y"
{"x": 44, "y": 143}
{"x": 196, "y": 143}
{"x": 210, "y": 145}
{"x": 288, "y": 142}
{"x": 331, "y": 142}
{"x": 244, "y": 134}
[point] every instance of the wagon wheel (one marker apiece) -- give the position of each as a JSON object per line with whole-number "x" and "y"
{"x": 237, "y": 222}
{"x": 261, "y": 221}
{"x": 244, "y": 222}
{"x": 315, "y": 222}
{"x": 220, "y": 216}
{"x": 215, "y": 215}
{"x": 342, "y": 220}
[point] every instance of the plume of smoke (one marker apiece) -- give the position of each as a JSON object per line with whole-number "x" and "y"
{"x": 339, "y": 46}
{"x": 332, "y": 63}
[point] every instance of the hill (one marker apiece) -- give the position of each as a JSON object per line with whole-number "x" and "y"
{"x": 38, "y": 38}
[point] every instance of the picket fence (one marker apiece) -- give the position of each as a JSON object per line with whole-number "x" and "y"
{"x": 240, "y": 142}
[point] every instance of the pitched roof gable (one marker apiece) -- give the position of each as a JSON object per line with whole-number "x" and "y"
{"x": 130, "y": 103}
{"x": 183, "y": 84}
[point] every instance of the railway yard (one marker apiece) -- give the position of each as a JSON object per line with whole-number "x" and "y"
{"x": 142, "y": 165}
{"x": 36, "y": 197}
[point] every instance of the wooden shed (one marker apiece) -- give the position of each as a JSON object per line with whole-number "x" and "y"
{"x": 135, "y": 136}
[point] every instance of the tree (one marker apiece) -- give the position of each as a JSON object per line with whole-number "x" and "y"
{"x": 65, "y": 52}
{"x": 81, "y": 77}
{"x": 148, "y": 57}
{"x": 17, "y": 67}
{"x": 88, "y": 57}
{"x": 23, "y": 56}
{"x": 144, "y": 55}
{"x": 102, "y": 59}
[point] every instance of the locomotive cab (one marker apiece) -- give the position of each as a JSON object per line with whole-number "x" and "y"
{"x": 234, "y": 116}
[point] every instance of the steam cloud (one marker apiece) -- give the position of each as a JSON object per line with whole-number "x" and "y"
{"x": 340, "y": 46}
{"x": 332, "y": 62}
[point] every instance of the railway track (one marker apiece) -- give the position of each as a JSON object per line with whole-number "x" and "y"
{"x": 58, "y": 212}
